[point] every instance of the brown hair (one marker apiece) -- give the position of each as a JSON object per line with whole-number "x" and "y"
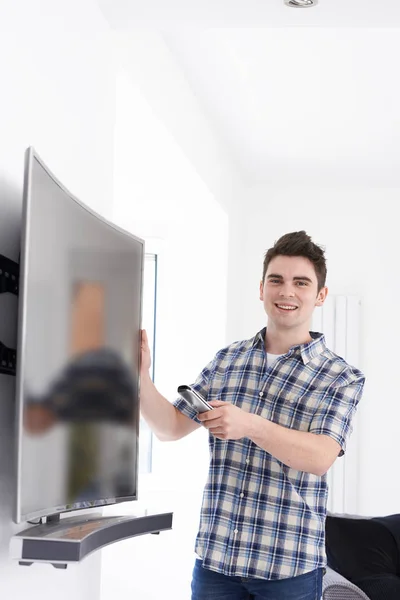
{"x": 299, "y": 243}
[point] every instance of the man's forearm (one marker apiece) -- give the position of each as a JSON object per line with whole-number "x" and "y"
{"x": 298, "y": 450}
{"x": 158, "y": 413}
{"x": 163, "y": 418}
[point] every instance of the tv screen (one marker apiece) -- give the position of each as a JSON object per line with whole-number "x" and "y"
{"x": 78, "y": 353}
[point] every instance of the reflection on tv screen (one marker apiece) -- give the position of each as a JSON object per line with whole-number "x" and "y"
{"x": 80, "y": 338}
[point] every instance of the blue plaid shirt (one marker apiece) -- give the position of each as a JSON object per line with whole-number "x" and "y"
{"x": 259, "y": 517}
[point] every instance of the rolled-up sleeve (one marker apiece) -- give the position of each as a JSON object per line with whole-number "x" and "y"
{"x": 335, "y": 412}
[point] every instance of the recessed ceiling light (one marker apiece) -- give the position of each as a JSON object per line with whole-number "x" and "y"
{"x": 301, "y": 3}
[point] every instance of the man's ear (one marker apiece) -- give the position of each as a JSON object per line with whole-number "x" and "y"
{"x": 321, "y": 297}
{"x": 261, "y": 290}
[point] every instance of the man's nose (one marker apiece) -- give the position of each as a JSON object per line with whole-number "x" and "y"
{"x": 286, "y": 291}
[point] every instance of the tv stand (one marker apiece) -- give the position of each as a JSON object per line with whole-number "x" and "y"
{"x": 60, "y": 542}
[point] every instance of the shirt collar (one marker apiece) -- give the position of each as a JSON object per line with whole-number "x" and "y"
{"x": 307, "y": 351}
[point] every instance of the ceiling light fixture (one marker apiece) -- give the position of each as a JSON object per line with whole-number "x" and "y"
{"x": 301, "y": 3}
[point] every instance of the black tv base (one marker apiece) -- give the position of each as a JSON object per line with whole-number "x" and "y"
{"x": 69, "y": 540}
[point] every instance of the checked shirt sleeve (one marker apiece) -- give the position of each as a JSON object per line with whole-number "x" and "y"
{"x": 201, "y": 385}
{"x": 334, "y": 415}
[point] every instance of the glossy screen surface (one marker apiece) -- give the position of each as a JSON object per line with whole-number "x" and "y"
{"x": 78, "y": 353}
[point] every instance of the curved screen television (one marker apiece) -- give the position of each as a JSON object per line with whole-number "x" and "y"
{"x": 78, "y": 353}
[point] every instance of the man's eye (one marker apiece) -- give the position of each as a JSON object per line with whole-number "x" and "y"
{"x": 301, "y": 283}
{"x": 275, "y": 280}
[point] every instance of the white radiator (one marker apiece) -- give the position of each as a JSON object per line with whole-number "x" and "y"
{"x": 339, "y": 319}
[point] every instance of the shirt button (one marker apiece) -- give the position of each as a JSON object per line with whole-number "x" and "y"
{"x": 242, "y": 495}
{"x": 261, "y": 394}
{"x": 236, "y": 531}
{"x": 247, "y": 461}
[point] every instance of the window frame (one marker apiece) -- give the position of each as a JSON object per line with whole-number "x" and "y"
{"x": 153, "y": 248}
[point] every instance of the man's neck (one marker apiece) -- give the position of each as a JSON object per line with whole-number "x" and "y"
{"x": 280, "y": 342}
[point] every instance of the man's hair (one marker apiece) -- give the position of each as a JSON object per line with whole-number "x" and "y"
{"x": 299, "y": 243}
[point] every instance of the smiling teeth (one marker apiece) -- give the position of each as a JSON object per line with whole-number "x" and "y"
{"x": 286, "y": 307}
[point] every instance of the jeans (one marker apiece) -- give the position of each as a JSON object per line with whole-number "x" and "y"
{"x": 209, "y": 585}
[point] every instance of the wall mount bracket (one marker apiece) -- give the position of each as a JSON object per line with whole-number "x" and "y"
{"x": 9, "y": 283}
{"x": 8, "y": 360}
{"x": 9, "y": 276}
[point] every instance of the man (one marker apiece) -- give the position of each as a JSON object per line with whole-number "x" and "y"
{"x": 282, "y": 410}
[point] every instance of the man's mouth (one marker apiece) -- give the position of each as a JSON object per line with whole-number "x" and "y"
{"x": 288, "y": 307}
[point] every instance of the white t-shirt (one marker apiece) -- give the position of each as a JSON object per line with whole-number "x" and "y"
{"x": 271, "y": 358}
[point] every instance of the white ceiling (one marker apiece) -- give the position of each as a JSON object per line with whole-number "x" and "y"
{"x": 301, "y": 106}
{"x": 309, "y": 105}
{"x": 251, "y": 13}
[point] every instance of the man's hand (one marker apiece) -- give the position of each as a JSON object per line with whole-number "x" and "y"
{"x": 145, "y": 363}
{"x": 226, "y": 421}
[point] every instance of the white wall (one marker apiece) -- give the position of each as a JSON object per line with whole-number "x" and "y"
{"x": 58, "y": 94}
{"x": 358, "y": 229}
{"x": 160, "y": 196}
{"x": 147, "y": 58}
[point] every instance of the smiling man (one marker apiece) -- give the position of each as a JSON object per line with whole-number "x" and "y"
{"x": 282, "y": 410}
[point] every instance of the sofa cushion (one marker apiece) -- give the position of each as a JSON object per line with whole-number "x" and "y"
{"x": 358, "y": 548}
{"x": 381, "y": 587}
{"x": 366, "y": 552}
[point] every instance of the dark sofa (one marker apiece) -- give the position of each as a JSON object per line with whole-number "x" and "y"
{"x": 366, "y": 552}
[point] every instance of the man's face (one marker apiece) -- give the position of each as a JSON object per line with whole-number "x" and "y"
{"x": 290, "y": 292}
